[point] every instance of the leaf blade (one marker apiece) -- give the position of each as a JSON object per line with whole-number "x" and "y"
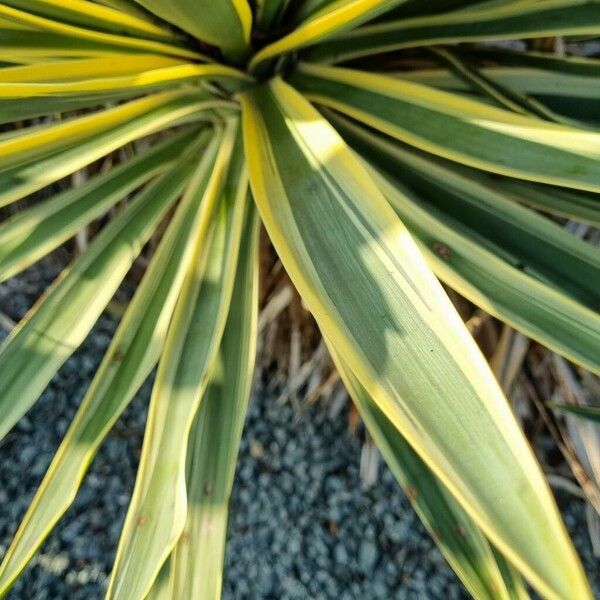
{"x": 390, "y": 320}
{"x": 157, "y": 512}
{"x": 49, "y": 334}
{"x": 457, "y": 537}
{"x": 198, "y": 558}
{"x": 459, "y": 129}
{"x": 133, "y": 353}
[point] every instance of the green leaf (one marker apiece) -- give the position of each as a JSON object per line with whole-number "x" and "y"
{"x": 572, "y": 204}
{"x": 64, "y": 34}
{"x": 35, "y": 159}
{"x": 332, "y": 17}
{"x": 34, "y": 232}
{"x": 61, "y": 320}
{"x": 198, "y": 558}
{"x": 93, "y": 16}
{"x": 137, "y": 82}
{"x": 226, "y": 23}
{"x": 133, "y": 353}
{"x": 157, "y": 513}
{"x": 415, "y": 8}
{"x": 469, "y": 205}
{"x": 498, "y": 21}
{"x": 458, "y": 128}
{"x": 24, "y": 46}
{"x": 38, "y": 142}
{"x": 270, "y": 12}
{"x": 511, "y": 262}
{"x": 458, "y": 538}
{"x": 374, "y": 298}
{"x": 462, "y": 261}
{"x": 589, "y": 413}
{"x": 563, "y": 90}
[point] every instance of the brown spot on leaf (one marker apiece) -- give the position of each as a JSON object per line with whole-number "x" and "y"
{"x": 442, "y": 250}
{"x": 410, "y": 492}
{"x": 118, "y": 356}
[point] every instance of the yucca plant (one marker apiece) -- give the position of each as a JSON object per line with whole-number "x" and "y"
{"x": 428, "y": 154}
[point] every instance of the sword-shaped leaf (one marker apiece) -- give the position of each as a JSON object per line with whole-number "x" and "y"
{"x": 133, "y": 353}
{"x": 458, "y": 538}
{"x": 497, "y": 21}
{"x": 458, "y": 128}
{"x": 225, "y": 23}
{"x": 60, "y": 321}
{"x": 80, "y": 35}
{"x": 36, "y": 231}
{"x": 94, "y": 16}
{"x": 44, "y": 156}
{"x": 198, "y": 558}
{"x": 330, "y": 18}
{"x": 157, "y": 513}
{"x": 375, "y": 299}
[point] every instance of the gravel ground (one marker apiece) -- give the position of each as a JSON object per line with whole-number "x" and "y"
{"x": 301, "y": 526}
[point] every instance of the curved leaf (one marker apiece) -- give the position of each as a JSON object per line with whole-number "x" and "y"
{"x": 457, "y": 537}
{"x": 138, "y": 82}
{"x": 334, "y": 17}
{"x": 498, "y": 21}
{"x": 518, "y": 235}
{"x": 95, "y": 38}
{"x": 93, "y": 16}
{"x": 34, "y": 232}
{"x": 226, "y": 23}
{"x": 198, "y": 558}
{"x": 38, "y": 158}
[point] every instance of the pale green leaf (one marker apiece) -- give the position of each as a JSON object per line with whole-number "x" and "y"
{"x": 157, "y": 513}
{"x": 61, "y": 320}
{"x": 133, "y": 353}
